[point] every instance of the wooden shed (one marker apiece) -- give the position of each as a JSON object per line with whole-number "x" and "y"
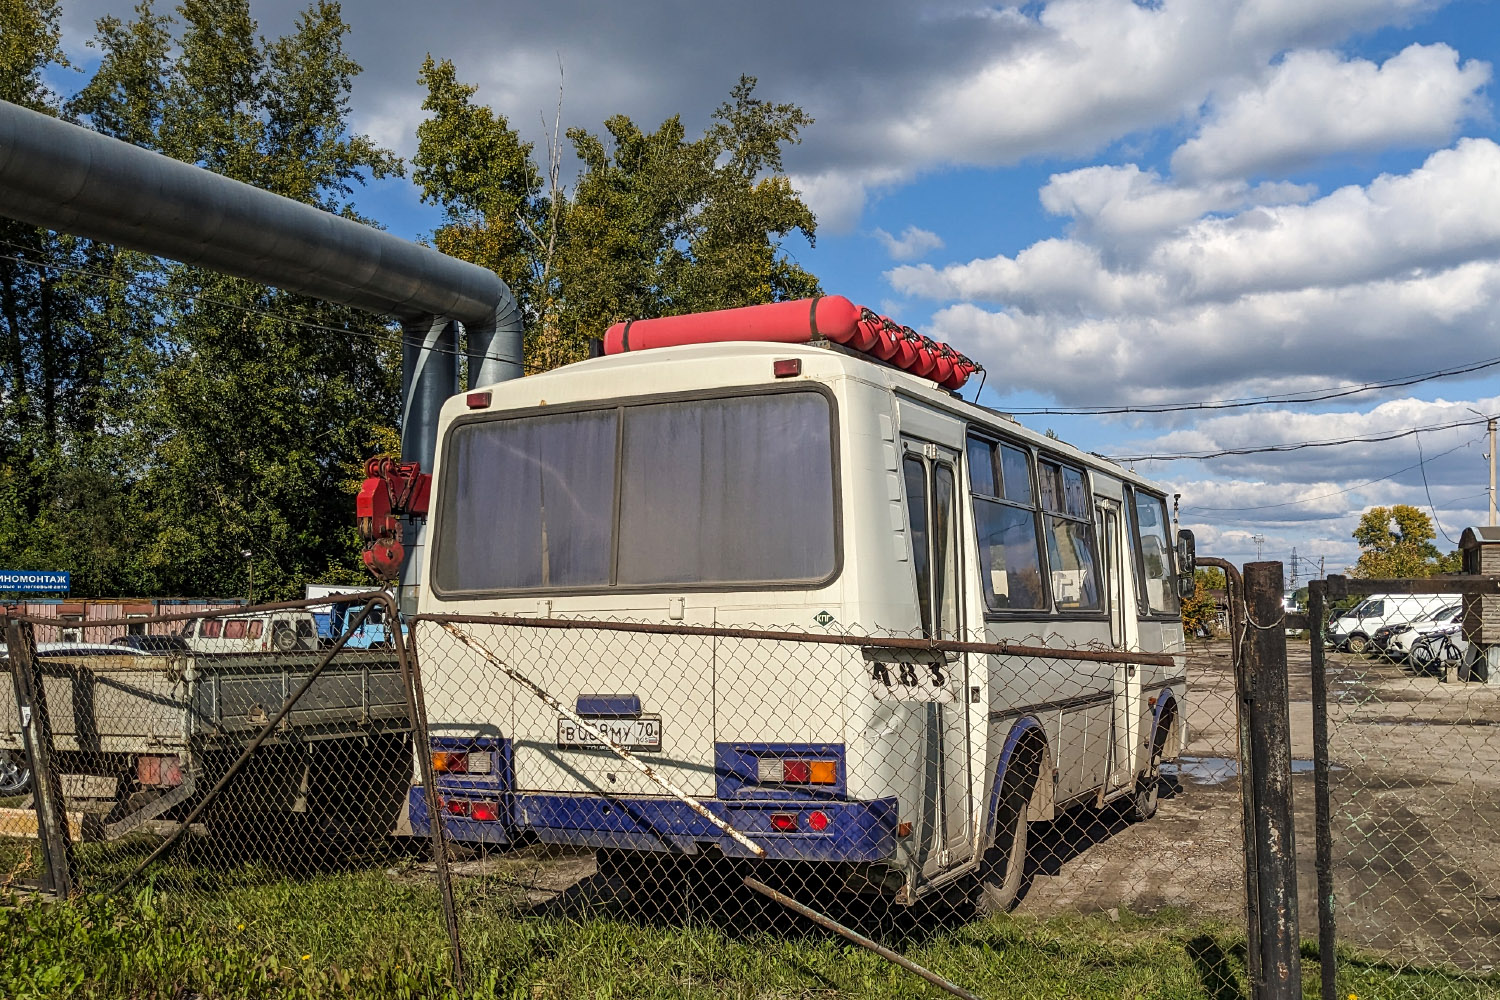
{"x": 1481, "y": 553}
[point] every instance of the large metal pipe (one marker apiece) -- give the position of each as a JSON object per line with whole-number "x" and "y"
{"x": 67, "y": 178}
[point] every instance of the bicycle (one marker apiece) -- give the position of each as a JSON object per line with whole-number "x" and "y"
{"x": 1439, "y": 651}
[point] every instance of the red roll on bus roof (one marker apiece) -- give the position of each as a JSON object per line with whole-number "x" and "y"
{"x": 830, "y": 317}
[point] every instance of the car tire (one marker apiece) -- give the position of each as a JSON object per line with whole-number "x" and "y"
{"x": 15, "y": 773}
{"x": 1357, "y": 643}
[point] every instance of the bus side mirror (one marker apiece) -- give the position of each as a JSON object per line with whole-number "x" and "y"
{"x": 1187, "y": 564}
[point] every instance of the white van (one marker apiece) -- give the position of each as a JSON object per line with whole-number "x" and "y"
{"x": 1353, "y": 629}
{"x": 277, "y": 631}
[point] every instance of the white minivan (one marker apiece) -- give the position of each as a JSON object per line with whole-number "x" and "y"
{"x": 272, "y": 631}
{"x": 1353, "y": 629}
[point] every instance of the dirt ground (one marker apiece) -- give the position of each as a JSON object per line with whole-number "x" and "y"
{"x": 1415, "y": 792}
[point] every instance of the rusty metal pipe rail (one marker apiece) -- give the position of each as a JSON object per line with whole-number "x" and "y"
{"x": 882, "y": 642}
{"x": 235, "y": 611}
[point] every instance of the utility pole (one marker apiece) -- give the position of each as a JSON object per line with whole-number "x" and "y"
{"x": 1491, "y": 456}
{"x": 1293, "y": 585}
{"x": 1492, "y": 472}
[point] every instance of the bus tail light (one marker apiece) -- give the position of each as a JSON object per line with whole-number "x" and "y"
{"x": 818, "y": 820}
{"x": 485, "y": 812}
{"x": 784, "y": 822}
{"x": 450, "y": 762}
{"x": 455, "y": 807}
{"x": 796, "y": 771}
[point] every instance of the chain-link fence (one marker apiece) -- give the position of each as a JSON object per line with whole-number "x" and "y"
{"x": 1407, "y": 872}
{"x": 668, "y": 788}
{"x": 624, "y": 807}
{"x": 222, "y": 794}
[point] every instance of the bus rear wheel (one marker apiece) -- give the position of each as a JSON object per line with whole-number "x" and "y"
{"x": 1002, "y": 872}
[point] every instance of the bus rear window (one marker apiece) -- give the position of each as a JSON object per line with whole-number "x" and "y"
{"x": 730, "y": 492}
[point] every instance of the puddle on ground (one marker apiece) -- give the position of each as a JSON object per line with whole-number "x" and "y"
{"x": 1219, "y": 770}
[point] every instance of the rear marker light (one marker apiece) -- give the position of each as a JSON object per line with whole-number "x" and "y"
{"x": 487, "y": 812}
{"x": 456, "y": 807}
{"x": 818, "y": 820}
{"x": 478, "y": 400}
{"x": 783, "y": 770}
{"x": 784, "y": 822}
{"x": 787, "y": 367}
{"x": 450, "y": 762}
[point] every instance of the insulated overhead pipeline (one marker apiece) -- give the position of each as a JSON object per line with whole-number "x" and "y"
{"x": 801, "y": 321}
{"x": 67, "y": 178}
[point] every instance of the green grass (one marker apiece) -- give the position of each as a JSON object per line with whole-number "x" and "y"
{"x": 379, "y": 933}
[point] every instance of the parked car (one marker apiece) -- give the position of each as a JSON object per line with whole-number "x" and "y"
{"x": 277, "y": 631}
{"x": 1354, "y": 629}
{"x": 159, "y": 645}
{"x": 1403, "y": 637}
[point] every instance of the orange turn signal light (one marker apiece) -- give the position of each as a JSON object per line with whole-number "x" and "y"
{"x": 450, "y": 762}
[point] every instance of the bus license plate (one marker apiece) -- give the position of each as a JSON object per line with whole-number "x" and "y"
{"x": 632, "y": 734}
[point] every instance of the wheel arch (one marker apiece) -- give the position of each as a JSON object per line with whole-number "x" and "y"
{"x": 1027, "y": 740}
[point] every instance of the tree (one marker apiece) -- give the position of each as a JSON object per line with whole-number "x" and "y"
{"x": 1397, "y": 542}
{"x": 1200, "y": 613}
{"x": 655, "y": 224}
{"x": 163, "y": 417}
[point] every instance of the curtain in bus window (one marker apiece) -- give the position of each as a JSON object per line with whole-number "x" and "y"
{"x": 212, "y": 628}
{"x": 1156, "y": 560}
{"x": 1010, "y": 560}
{"x": 528, "y": 503}
{"x": 727, "y": 491}
{"x": 1075, "y": 574}
{"x": 916, "y": 518}
{"x": 234, "y": 629}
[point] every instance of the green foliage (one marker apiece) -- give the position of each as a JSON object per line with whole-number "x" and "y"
{"x": 655, "y": 225}
{"x": 1200, "y": 612}
{"x": 162, "y": 418}
{"x": 1398, "y": 542}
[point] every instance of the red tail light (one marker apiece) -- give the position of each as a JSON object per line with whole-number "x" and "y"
{"x": 818, "y": 820}
{"x": 487, "y": 812}
{"x": 784, "y": 822}
{"x": 455, "y": 807}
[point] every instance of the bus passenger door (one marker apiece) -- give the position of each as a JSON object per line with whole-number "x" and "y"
{"x": 1121, "y": 596}
{"x": 931, "y": 481}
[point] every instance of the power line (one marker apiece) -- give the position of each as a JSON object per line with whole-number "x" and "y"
{"x": 1274, "y": 399}
{"x": 1295, "y": 446}
{"x": 1335, "y": 493}
{"x": 1423, "y": 465}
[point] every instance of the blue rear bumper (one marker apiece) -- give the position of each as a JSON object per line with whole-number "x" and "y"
{"x": 855, "y": 831}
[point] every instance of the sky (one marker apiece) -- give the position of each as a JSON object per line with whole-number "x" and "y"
{"x": 1107, "y": 203}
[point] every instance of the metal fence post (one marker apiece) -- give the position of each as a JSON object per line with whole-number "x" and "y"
{"x": 1327, "y": 961}
{"x": 36, "y": 732}
{"x": 1269, "y": 727}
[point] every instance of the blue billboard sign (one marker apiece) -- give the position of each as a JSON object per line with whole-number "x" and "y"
{"x": 35, "y": 581}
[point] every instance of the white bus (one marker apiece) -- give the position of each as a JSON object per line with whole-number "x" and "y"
{"x": 805, "y": 487}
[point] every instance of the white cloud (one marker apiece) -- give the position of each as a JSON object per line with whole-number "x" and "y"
{"x": 1315, "y": 103}
{"x": 1398, "y": 276}
{"x": 913, "y": 243}
{"x": 1114, "y": 201}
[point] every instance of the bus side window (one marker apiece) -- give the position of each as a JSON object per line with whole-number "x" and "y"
{"x": 1071, "y": 548}
{"x": 1005, "y": 521}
